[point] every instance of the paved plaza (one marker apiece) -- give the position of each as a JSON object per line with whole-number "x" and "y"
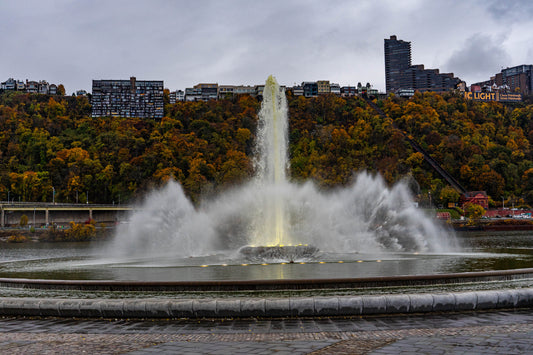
{"x": 502, "y": 332}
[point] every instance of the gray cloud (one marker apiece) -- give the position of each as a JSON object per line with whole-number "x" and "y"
{"x": 480, "y": 54}
{"x": 242, "y": 42}
{"x": 511, "y": 11}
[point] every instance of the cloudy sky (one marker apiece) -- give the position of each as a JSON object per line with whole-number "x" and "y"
{"x": 235, "y": 42}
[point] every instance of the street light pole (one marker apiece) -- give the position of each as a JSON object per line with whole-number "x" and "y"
{"x": 53, "y": 195}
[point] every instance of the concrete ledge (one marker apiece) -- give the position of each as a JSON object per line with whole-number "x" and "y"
{"x": 268, "y": 307}
{"x": 349, "y": 305}
{"x": 277, "y": 307}
{"x": 444, "y": 302}
{"x": 465, "y": 301}
{"x": 254, "y": 307}
{"x": 420, "y": 303}
{"x": 329, "y": 306}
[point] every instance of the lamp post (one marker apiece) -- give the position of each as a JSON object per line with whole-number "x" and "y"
{"x": 53, "y": 195}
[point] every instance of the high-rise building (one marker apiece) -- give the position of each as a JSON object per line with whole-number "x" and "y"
{"x": 397, "y": 61}
{"x": 401, "y": 76}
{"x": 127, "y": 98}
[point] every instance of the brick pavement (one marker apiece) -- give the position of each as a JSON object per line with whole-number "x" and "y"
{"x": 508, "y": 332}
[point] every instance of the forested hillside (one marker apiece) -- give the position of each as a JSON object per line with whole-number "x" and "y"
{"x": 52, "y": 143}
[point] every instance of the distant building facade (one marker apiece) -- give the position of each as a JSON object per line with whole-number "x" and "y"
{"x": 207, "y": 91}
{"x": 517, "y": 80}
{"x": 477, "y": 197}
{"x": 177, "y": 96}
{"x": 348, "y": 91}
{"x": 401, "y": 75}
{"x": 298, "y": 90}
{"x": 335, "y": 89}
{"x": 309, "y": 89}
{"x": 323, "y": 87}
{"x": 127, "y": 98}
{"x": 32, "y": 87}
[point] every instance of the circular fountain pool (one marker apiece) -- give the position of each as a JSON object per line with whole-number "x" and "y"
{"x": 82, "y": 261}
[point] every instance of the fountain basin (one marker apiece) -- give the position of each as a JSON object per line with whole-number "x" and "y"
{"x": 411, "y": 291}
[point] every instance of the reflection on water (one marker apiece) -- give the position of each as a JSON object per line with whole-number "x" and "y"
{"x": 481, "y": 251}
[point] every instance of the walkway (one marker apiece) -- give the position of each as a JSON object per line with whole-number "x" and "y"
{"x": 509, "y": 332}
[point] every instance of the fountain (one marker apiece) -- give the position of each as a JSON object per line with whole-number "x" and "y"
{"x": 270, "y": 219}
{"x": 270, "y": 235}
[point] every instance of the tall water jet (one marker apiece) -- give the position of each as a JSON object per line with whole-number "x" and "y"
{"x": 270, "y": 218}
{"x": 271, "y": 165}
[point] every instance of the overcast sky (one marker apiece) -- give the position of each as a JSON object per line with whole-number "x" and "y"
{"x": 236, "y": 42}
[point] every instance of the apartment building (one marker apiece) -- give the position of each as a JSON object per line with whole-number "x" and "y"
{"x": 127, "y": 98}
{"x": 323, "y": 87}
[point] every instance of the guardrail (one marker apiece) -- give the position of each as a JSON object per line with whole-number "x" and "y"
{"x": 57, "y": 204}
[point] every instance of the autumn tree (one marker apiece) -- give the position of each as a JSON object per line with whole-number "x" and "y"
{"x": 449, "y": 195}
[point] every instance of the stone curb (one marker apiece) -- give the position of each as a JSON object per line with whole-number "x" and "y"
{"x": 269, "y": 307}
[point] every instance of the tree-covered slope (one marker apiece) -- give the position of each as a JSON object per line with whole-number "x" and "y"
{"x": 52, "y": 143}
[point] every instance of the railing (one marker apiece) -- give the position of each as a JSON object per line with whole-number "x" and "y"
{"x": 57, "y": 204}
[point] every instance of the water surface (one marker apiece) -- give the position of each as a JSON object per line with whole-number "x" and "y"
{"x": 481, "y": 251}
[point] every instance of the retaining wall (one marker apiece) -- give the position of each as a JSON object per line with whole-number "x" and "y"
{"x": 269, "y": 307}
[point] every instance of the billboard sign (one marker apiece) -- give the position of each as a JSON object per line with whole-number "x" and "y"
{"x": 493, "y": 96}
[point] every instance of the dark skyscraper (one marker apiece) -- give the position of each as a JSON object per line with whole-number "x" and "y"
{"x": 397, "y": 61}
{"x": 400, "y": 75}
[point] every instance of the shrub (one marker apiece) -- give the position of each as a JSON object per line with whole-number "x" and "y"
{"x": 23, "y": 220}
{"x": 17, "y": 239}
{"x": 81, "y": 232}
